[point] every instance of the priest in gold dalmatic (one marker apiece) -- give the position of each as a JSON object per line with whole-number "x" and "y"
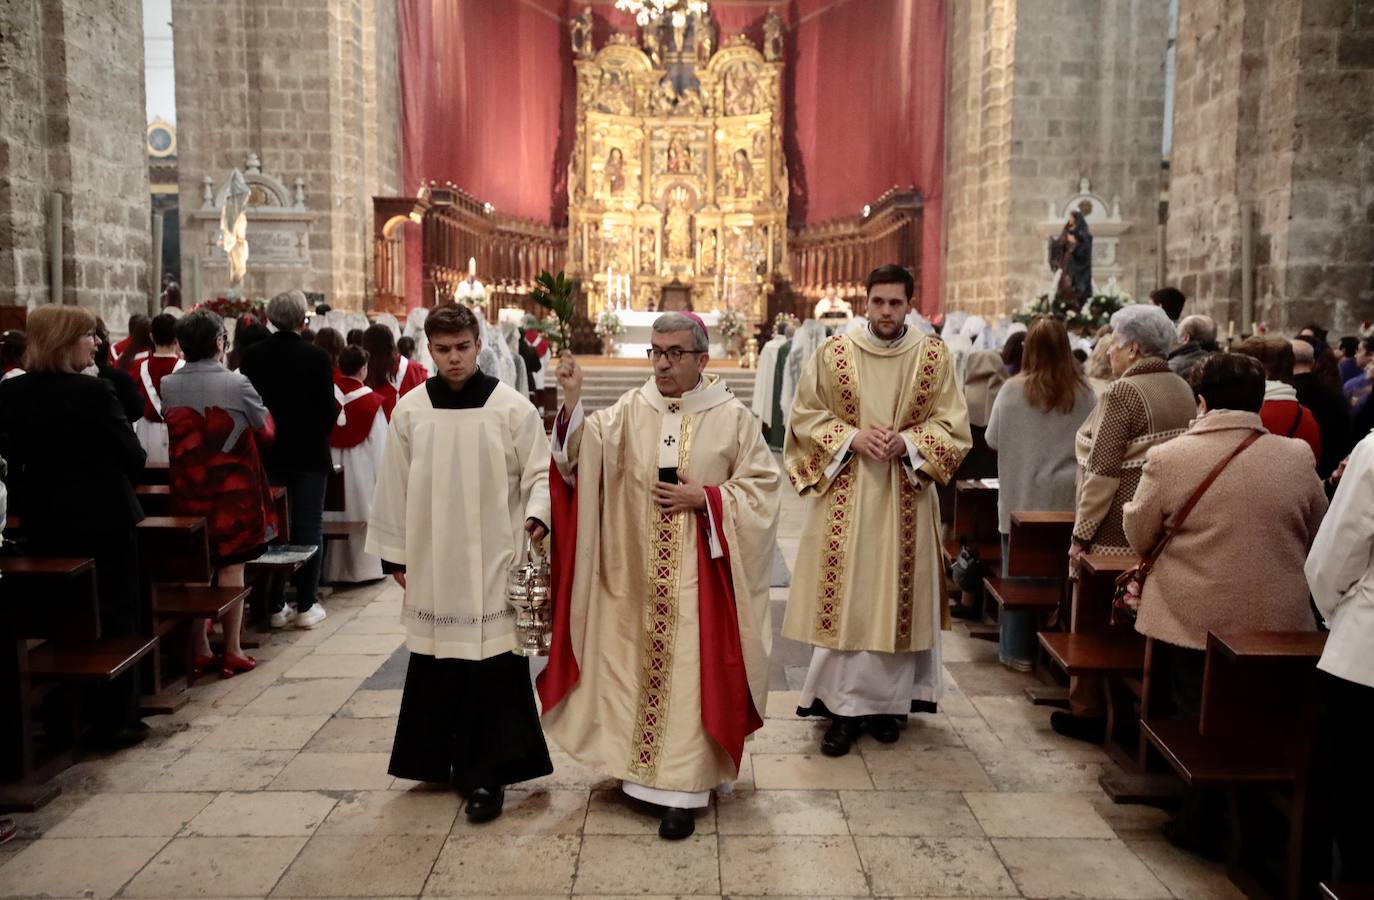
{"x": 878, "y": 418}
{"x": 665, "y": 512}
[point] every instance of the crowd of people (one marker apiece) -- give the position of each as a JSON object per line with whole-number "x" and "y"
{"x": 1219, "y": 463}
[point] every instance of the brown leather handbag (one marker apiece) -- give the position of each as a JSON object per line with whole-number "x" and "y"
{"x": 1130, "y": 585}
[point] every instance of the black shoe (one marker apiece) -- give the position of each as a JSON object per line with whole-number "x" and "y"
{"x": 960, "y": 611}
{"x": 1094, "y": 731}
{"x": 884, "y": 729}
{"x": 839, "y": 736}
{"x": 676, "y": 824}
{"x": 1209, "y": 846}
{"x": 925, "y": 706}
{"x": 484, "y": 804}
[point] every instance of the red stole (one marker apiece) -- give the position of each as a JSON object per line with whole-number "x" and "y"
{"x": 357, "y": 414}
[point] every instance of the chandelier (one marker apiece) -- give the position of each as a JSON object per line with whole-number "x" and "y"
{"x": 647, "y": 11}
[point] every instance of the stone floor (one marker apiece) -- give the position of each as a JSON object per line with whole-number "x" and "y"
{"x": 274, "y": 784}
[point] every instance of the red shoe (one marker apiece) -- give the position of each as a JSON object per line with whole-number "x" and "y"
{"x": 235, "y": 664}
{"x": 203, "y": 664}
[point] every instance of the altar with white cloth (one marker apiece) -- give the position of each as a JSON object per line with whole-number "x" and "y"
{"x": 639, "y": 325}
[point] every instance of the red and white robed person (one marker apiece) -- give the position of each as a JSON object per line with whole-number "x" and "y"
{"x": 148, "y": 373}
{"x": 356, "y": 443}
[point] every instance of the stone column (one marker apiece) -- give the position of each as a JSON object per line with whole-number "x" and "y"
{"x": 312, "y": 87}
{"x": 1041, "y": 94}
{"x": 1272, "y": 109}
{"x": 72, "y": 121}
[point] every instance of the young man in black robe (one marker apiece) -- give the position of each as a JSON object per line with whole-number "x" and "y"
{"x": 463, "y": 486}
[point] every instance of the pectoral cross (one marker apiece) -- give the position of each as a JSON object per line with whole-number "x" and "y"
{"x": 669, "y": 441}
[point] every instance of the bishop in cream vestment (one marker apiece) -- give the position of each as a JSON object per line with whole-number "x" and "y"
{"x": 659, "y": 664}
{"x": 867, "y": 592}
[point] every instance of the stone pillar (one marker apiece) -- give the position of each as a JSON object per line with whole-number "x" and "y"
{"x": 72, "y": 122}
{"x": 312, "y": 87}
{"x": 1044, "y": 93}
{"x": 1272, "y": 109}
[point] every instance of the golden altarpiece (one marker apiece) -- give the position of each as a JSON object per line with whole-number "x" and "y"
{"x": 677, "y": 183}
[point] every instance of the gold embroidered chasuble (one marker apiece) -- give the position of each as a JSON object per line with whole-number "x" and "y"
{"x": 635, "y": 710}
{"x": 871, "y": 539}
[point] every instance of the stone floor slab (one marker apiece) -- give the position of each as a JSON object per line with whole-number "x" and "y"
{"x": 315, "y": 697}
{"x": 393, "y": 812}
{"x": 361, "y": 866}
{"x": 931, "y": 867}
{"x": 1185, "y": 875}
{"x": 638, "y": 864}
{"x": 321, "y": 665}
{"x": 909, "y": 814}
{"x": 927, "y": 769}
{"x": 810, "y": 772}
{"x": 262, "y": 814}
{"x": 781, "y": 813}
{"x": 1038, "y": 815}
{"x": 222, "y": 770}
{"x": 77, "y": 867}
{"x": 250, "y": 732}
{"x": 790, "y": 866}
{"x": 342, "y": 734}
{"x": 131, "y": 815}
{"x": 1074, "y": 868}
{"x": 335, "y": 772}
{"x": 504, "y": 865}
{"x": 533, "y": 812}
{"x": 373, "y": 705}
{"x": 365, "y": 644}
{"x": 216, "y": 867}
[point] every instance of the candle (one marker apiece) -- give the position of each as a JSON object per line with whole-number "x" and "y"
{"x": 1230, "y": 329}
{"x": 472, "y": 266}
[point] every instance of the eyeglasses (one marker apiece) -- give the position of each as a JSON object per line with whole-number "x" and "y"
{"x": 674, "y": 354}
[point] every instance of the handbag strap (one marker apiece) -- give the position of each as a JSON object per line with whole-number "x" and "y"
{"x": 1171, "y": 530}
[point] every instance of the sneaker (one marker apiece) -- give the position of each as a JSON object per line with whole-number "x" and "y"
{"x": 283, "y": 617}
{"x": 311, "y": 617}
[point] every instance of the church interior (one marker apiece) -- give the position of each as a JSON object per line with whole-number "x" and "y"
{"x": 749, "y": 162}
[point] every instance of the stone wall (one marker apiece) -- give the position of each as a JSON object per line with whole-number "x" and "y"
{"x": 72, "y": 122}
{"x": 1273, "y": 113}
{"x": 313, "y": 90}
{"x": 1044, "y": 93}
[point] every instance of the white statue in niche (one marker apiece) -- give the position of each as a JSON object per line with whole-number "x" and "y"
{"x": 233, "y": 228}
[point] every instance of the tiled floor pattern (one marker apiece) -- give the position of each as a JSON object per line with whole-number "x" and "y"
{"x": 274, "y": 784}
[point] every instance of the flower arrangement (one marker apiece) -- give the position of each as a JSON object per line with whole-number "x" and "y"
{"x": 608, "y": 324}
{"x": 1086, "y": 320}
{"x": 731, "y": 324}
{"x": 234, "y": 307}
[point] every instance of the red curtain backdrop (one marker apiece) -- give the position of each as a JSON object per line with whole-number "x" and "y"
{"x": 488, "y": 102}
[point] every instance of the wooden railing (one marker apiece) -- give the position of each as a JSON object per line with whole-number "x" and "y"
{"x": 456, "y": 227}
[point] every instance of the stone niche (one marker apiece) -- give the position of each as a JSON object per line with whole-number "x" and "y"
{"x": 278, "y": 240}
{"x": 1107, "y": 228}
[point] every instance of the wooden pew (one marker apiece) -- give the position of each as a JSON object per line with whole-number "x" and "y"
{"x": 72, "y": 652}
{"x": 1254, "y": 735}
{"x": 1093, "y": 646}
{"x": 1037, "y": 548}
{"x": 154, "y": 473}
{"x": 975, "y": 522}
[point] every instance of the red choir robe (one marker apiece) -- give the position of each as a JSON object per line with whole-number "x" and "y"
{"x": 356, "y": 443}
{"x": 148, "y": 373}
{"x": 406, "y": 377}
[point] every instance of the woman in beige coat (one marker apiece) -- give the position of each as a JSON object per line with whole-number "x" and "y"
{"x": 1236, "y": 564}
{"x": 1236, "y": 561}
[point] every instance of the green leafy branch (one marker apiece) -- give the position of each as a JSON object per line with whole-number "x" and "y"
{"x": 558, "y": 295}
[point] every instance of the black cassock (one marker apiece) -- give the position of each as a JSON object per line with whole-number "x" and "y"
{"x": 468, "y": 723}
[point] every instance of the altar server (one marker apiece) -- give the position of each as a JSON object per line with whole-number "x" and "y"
{"x": 665, "y": 510}
{"x": 356, "y": 444}
{"x": 148, "y": 374}
{"x": 878, "y": 418}
{"x": 464, "y": 483}
{"x": 768, "y": 384}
